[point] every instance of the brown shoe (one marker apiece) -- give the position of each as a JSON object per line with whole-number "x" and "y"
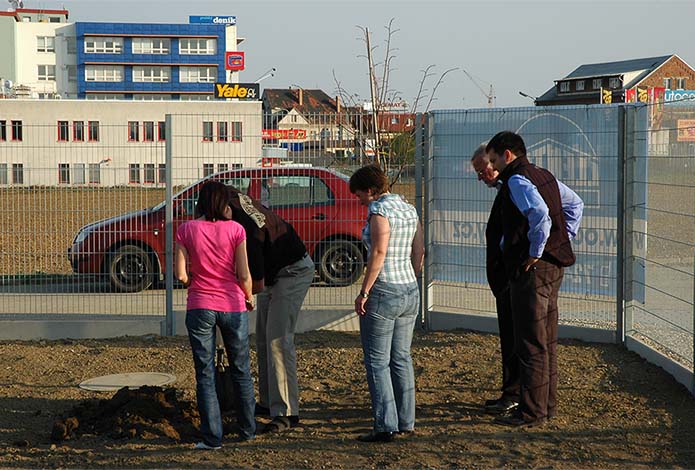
{"x": 515, "y": 420}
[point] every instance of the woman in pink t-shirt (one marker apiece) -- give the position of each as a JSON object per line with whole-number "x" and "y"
{"x": 219, "y": 295}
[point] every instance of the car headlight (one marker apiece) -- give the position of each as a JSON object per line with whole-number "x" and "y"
{"x": 81, "y": 236}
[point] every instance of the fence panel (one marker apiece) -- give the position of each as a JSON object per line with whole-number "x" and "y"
{"x": 662, "y": 318}
{"x": 579, "y": 145}
{"x": 300, "y": 170}
{"x": 61, "y": 182}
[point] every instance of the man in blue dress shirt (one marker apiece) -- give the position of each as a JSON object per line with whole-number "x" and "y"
{"x": 536, "y": 218}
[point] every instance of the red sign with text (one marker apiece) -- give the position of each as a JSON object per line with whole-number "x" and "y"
{"x": 285, "y": 134}
{"x": 234, "y": 60}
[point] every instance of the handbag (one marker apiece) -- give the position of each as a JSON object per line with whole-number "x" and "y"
{"x": 224, "y": 385}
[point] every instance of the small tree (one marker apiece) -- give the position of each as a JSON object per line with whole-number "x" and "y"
{"x": 391, "y": 131}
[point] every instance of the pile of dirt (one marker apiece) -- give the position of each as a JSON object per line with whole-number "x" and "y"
{"x": 144, "y": 413}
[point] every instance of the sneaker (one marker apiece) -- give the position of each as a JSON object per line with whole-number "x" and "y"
{"x": 203, "y": 446}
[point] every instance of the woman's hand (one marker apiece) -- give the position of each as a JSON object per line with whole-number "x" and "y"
{"x": 359, "y": 305}
{"x": 250, "y": 304}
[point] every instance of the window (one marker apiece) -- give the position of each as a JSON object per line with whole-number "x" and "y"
{"x": 295, "y": 191}
{"x": 17, "y": 130}
{"x": 46, "y": 72}
{"x": 580, "y": 85}
{"x": 207, "y": 131}
{"x": 680, "y": 83}
{"x": 197, "y": 74}
{"x": 564, "y": 86}
{"x": 151, "y": 45}
{"x": 149, "y": 173}
{"x": 241, "y": 183}
{"x": 63, "y": 173}
{"x": 103, "y": 73}
{"x": 614, "y": 83}
{"x": 105, "y": 45}
{"x": 72, "y": 73}
{"x": 94, "y": 131}
{"x": 197, "y": 46}
{"x": 105, "y": 96}
{"x": 18, "y": 173}
{"x": 78, "y": 173}
{"x": 3, "y": 173}
{"x": 236, "y": 131}
{"x": 46, "y": 44}
{"x": 78, "y": 131}
{"x": 94, "y": 173}
{"x": 222, "y": 167}
{"x": 151, "y": 74}
{"x": 134, "y": 173}
{"x": 63, "y": 131}
{"x": 161, "y": 131}
{"x": 151, "y": 96}
{"x": 133, "y": 131}
{"x": 208, "y": 169}
{"x": 222, "y": 134}
{"x": 596, "y": 83}
{"x": 72, "y": 45}
{"x": 3, "y": 131}
{"x": 162, "y": 173}
{"x": 54, "y": 19}
{"x": 668, "y": 83}
{"x": 197, "y": 97}
{"x": 148, "y": 133}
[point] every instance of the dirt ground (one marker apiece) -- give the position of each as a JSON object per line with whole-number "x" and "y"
{"x": 616, "y": 410}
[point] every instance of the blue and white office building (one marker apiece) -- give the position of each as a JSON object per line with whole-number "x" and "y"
{"x": 99, "y": 60}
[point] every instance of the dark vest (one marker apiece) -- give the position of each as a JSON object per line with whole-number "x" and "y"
{"x": 496, "y": 275}
{"x": 558, "y": 249}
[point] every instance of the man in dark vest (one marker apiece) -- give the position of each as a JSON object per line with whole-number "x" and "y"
{"x": 499, "y": 285}
{"x": 536, "y": 247}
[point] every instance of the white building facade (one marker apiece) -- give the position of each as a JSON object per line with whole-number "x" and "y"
{"x": 85, "y": 143}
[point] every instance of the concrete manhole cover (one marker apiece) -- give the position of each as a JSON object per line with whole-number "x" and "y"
{"x": 132, "y": 380}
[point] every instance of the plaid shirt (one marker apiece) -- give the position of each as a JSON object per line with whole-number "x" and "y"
{"x": 403, "y": 221}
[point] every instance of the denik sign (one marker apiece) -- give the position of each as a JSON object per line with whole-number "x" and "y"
{"x": 212, "y": 19}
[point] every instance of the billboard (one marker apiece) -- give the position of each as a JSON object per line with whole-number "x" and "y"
{"x": 284, "y": 134}
{"x": 226, "y": 20}
{"x": 234, "y": 61}
{"x": 579, "y": 147}
{"x": 241, "y": 91}
{"x": 686, "y": 130}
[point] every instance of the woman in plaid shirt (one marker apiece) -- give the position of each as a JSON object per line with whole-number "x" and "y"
{"x": 388, "y": 303}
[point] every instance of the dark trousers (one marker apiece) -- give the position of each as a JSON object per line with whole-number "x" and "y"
{"x": 533, "y": 297}
{"x": 510, "y": 363}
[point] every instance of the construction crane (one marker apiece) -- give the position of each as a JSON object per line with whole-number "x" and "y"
{"x": 489, "y": 95}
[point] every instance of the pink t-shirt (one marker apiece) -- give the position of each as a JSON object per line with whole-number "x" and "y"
{"x": 211, "y": 248}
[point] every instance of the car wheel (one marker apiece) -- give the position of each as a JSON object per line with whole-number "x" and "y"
{"x": 130, "y": 269}
{"x": 340, "y": 262}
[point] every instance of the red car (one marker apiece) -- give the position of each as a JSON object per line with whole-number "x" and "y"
{"x": 130, "y": 249}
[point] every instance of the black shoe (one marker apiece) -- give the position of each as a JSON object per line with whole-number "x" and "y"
{"x": 376, "y": 437}
{"x": 500, "y": 406}
{"x": 262, "y": 410}
{"x": 515, "y": 420}
{"x": 294, "y": 421}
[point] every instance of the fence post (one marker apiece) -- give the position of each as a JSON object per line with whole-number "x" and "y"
{"x": 621, "y": 208}
{"x": 169, "y": 228}
{"x": 419, "y": 159}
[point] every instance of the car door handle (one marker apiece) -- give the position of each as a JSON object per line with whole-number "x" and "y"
{"x": 319, "y": 217}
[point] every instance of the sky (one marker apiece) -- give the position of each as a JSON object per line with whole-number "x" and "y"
{"x": 512, "y": 45}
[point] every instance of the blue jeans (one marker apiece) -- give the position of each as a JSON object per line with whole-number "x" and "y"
{"x": 234, "y": 328}
{"x": 387, "y": 332}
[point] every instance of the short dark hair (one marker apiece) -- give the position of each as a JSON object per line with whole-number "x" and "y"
{"x": 213, "y": 200}
{"x": 369, "y": 177}
{"x": 507, "y": 140}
